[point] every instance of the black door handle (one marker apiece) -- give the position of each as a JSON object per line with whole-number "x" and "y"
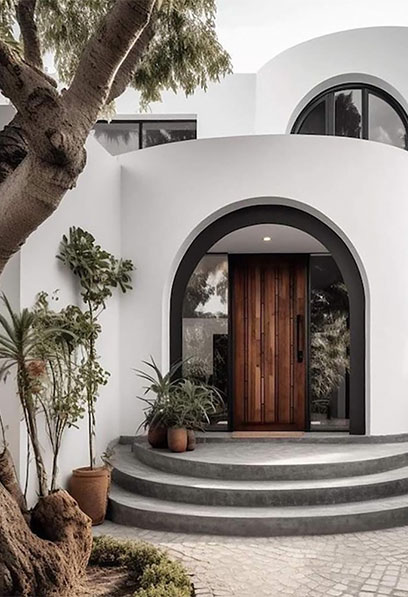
{"x": 299, "y": 338}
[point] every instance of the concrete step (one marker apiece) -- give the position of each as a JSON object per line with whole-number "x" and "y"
{"x": 134, "y": 476}
{"x": 263, "y": 461}
{"x": 152, "y": 513}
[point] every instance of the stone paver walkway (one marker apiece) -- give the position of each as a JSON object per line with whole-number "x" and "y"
{"x": 359, "y": 564}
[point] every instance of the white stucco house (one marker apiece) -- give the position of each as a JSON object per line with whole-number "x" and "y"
{"x": 293, "y": 180}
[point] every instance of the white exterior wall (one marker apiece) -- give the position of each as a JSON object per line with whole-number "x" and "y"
{"x": 225, "y": 109}
{"x": 9, "y": 405}
{"x": 165, "y": 196}
{"x": 287, "y": 83}
{"x": 358, "y": 186}
{"x": 95, "y": 206}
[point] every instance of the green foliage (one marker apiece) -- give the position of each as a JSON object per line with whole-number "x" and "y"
{"x": 151, "y": 569}
{"x": 61, "y": 341}
{"x": 27, "y": 350}
{"x": 177, "y": 402}
{"x": 330, "y": 340}
{"x": 191, "y": 404}
{"x": 164, "y": 590}
{"x": 99, "y": 273}
{"x": 160, "y": 385}
{"x": 184, "y": 53}
{"x": 7, "y": 15}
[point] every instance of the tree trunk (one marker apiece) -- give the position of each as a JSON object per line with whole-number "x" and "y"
{"x": 50, "y": 561}
{"x": 9, "y": 479}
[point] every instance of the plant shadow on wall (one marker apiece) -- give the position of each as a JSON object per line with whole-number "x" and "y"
{"x": 330, "y": 346}
{"x": 177, "y": 408}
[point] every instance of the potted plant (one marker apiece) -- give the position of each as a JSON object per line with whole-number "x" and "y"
{"x": 199, "y": 401}
{"x": 99, "y": 273}
{"x": 186, "y": 411}
{"x": 160, "y": 386}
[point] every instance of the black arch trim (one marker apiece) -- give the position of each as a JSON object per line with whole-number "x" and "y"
{"x": 289, "y": 216}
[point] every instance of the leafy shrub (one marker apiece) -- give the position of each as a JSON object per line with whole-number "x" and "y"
{"x": 151, "y": 569}
{"x": 170, "y": 590}
{"x": 165, "y": 572}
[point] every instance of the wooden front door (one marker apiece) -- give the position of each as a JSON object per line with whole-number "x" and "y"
{"x": 268, "y": 341}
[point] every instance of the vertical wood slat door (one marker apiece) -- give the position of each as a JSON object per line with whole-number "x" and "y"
{"x": 268, "y": 334}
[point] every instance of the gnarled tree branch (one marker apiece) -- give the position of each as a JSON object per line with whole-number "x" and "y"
{"x": 13, "y": 147}
{"x": 103, "y": 56}
{"x": 25, "y": 10}
{"x": 130, "y": 64}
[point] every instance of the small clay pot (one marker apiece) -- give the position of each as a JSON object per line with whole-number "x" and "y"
{"x": 191, "y": 440}
{"x": 177, "y": 439}
{"x": 157, "y": 436}
{"x": 90, "y": 488}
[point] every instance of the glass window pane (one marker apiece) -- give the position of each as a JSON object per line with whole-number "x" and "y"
{"x": 347, "y": 108}
{"x": 315, "y": 121}
{"x": 117, "y": 137}
{"x": 205, "y": 326}
{"x": 385, "y": 125}
{"x": 329, "y": 347}
{"x": 157, "y": 133}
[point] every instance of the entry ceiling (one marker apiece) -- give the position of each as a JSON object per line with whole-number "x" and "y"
{"x": 284, "y": 239}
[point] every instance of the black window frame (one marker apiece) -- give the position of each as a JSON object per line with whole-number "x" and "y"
{"x": 141, "y": 121}
{"x": 328, "y": 96}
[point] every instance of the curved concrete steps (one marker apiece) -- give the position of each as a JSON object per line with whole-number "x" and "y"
{"x": 261, "y": 461}
{"x": 152, "y": 513}
{"x": 261, "y": 489}
{"x": 134, "y": 476}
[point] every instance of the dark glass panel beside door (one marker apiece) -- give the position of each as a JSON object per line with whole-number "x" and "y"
{"x": 384, "y": 124}
{"x": 315, "y": 122}
{"x": 329, "y": 347}
{"x": 157, "y": 133}
{"x": 347, "y": 113}
{"x": 205, "y": 327}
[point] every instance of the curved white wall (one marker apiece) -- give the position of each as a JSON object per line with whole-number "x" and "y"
{"x": 169, "y": 192}
{"x": 289, "y": 81}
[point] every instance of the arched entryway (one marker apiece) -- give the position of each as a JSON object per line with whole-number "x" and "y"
{"x": 294, "y": 217}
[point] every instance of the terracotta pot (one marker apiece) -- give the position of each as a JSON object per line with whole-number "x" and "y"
{"x": 191, "y": 440}
{"x": 90, "y": 488}
{"x": 157, "y": 436}
{"x": 177, "y": 439}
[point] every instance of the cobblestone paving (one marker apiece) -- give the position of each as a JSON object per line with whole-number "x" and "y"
{"x": 359, "y": 564}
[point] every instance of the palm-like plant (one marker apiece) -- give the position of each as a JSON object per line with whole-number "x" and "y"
{"x": 161, "y": 387}
{"x": 177, "y": 402}
{"x": 18, "y": 350}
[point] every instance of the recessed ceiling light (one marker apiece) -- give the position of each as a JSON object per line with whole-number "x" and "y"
{"x": 267, "y": 238}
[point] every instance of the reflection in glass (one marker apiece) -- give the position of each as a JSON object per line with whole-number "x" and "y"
{"x": 205, "y": 326}
{"x": 384, "y": 124}
{"x": 329, "y": 346}
{"x": 347, "y": 109}
{"x": 117, "y": 137}
{"x": 157, "y": 133}
{"x": 315, "y": 121}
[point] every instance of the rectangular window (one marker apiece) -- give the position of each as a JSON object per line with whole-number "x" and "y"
{"x": 157, "y": 133}
{"x": 123, "y": 136}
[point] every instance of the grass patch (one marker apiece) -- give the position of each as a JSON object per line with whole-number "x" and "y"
{"x": 149, "y": 569}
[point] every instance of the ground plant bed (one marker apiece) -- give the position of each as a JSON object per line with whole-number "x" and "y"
{"x": 133, "y": 569}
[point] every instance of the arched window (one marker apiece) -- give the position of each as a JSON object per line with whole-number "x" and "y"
{"x": 359, "y": 111}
